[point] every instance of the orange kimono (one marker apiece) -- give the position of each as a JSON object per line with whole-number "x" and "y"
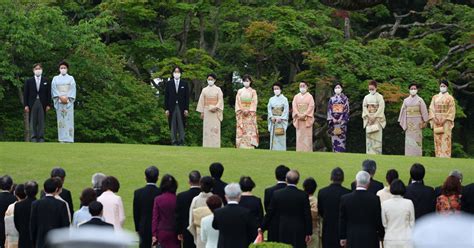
{"x": 247, "y": 131}
{"x": 443, "y": 108}
{"x": 303, "y": 119}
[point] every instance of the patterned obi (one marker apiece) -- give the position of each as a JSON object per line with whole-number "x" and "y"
{"x": 338, "y": 108}
{"x": 63, "y": 89}
{"x": 372, "y": 108}
{"x": 413, "y": 111}
{"x": 277, "y": 111}
{"x": 302, "y": 108}
{"x": 245, "y": 102}
{"x": 211, "y": 101}
{"x": 441, "y": 108}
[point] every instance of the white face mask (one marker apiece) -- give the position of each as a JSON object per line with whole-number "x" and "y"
{"x": 443, "y": 89}
{"x": 210, "y": 82}
{"x": 277, "y": 92}
{"x": 246, "y": 84}
{"x": 372, "y": 92}
{"x": 338, "y": 91}
{"x": 303, "y": 90}
{"x": 63, "y": 71}
{"x": 177, "y": 75}
{"x": 413, "y": 92}
{"x": 38, "y": 72}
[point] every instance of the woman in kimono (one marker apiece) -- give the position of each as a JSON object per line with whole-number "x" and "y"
{"x": 246, "y": 115}
{"x": 338, "y": 117}
{"x": 303, "y": 119}
{"x": 211, "y": 105}
{"x": 63, "y": 91}
{"x": 278, "y": 109}
{"x": 373, "y": 109}
{"x": 413, "y": 118}
{"x": 441, "y": 116}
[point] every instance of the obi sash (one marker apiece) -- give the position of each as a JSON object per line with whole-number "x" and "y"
{"x": 246, "y": 102}
{"x": 372, "y": 108}
{"x": 63, "y": 89}
{"x": 441, "y": 108}
{"x": 338, "y": 108}
{"x": 211, "y": 101}
{"x": 277, "y": 111}
{"x": 413, "y": 111}
{"x": 302, "y": 108}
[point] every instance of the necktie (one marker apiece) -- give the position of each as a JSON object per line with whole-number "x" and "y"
{"x": 37, "y": 83}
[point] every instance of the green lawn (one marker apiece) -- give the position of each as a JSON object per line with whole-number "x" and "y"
{"x": 26, "y": 161}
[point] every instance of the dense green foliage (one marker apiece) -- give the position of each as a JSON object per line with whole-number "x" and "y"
{"x": 116, "y": 47}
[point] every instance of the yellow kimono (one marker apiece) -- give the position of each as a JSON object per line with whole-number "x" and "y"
{"x": 443, "y": 108}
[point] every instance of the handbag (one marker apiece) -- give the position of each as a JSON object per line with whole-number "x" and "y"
{"x": 259, "y": 239}
{"x": 337, "y": 131}
{"x": 438, "y": 130}
{"x": 279, "y": 131}
{"x": 372, "y": 128}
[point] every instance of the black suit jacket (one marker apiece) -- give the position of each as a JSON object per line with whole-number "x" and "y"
{"x": 171, "y": 97}
{"x": 360, "y": 219}
{"x": 30, "y": 92}
{"x": 291, "y": 205}
{"x": 67, "y": 197}
{"x": 142, "y": 212}
{"x": 328, "y": 208}
{"x": 97, "y": 222}
{"x": 254, "y": 204}
{"x": 423, "y": 198}
{"x": 218, "y": 189}
{"x": 47, "y": 214}
{"x": 237, "y": 226}
{"x": 22, "y": 222}
{"x": 374, "y": 186}
{"x": 6, "y": 198}
{"x": 272, "y": 234}
{"x": 183, "y": 203}
{"x": 467, "y": 199}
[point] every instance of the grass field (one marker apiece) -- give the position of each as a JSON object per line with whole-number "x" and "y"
{"x": 27, "y": 161}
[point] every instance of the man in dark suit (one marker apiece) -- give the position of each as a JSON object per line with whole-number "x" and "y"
{"x": 280, "y": 175}
{"x": 37, "y": 101}
{"x": 360, "y": 219}
{"x": 423, "y": 197}
{"x": 177, "y": 106}
{"x": 328, "y": 207}
{"x": 22, "y": 215}
{"x": 291, "y": 206}
{"x": 64, "y": 193}
{"x": 237, "y": 226}
{"x": 183, "y": 203}
{"x": 370, "y": 167}
{"x": 143, "y": 206}
{"x": 96, "y": 209}
{"x": 6, "y": 198}
{"x": 467, "y": 200}
{"x": 217, "y": 170}
{"x": 47, "y": 214}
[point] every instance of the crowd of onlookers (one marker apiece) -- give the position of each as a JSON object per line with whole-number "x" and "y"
{"x": 212, "y": 213}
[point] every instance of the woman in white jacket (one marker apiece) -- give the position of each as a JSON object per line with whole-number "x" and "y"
{"x": 398, "y": 218}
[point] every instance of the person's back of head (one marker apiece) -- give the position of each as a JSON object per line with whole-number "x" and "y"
{"x": 214, "y": 202}
{"x": 194, "y": 178}
{"x": 452, "y": 186}
{"x": 417, "y": 172}
{"x": 6, "y": 183}
{"x": 51, "y": 186}
{"x": 292, "y": 177}
{"x": 397, "y": 187}
{"x": 216, "y": 170}
{"x": 310, "y": 186}
{"x": 111, "y": 183}
{"x": 369, "y": 166}
{"x": 151, "y": 174}
{"x": 59, "y": 183}
{"x": 97, "y": 180}
{"x": 96, "y": 208}
{"x": 207, "y": 184}
{"x": 363, "y": 179}
{"x": 246, "y": 184}
{"x": 280, "y": 172}
{"x": 58, "y": 172}
{"x": 31, "y": 189}
{"x": 88, "y": 195}
{"x": 391, "y": 175}
{"x": 337, "y": 175}
{"x": 457, "y": 174}
{"x": 233, "y": 192}
{"x": 168, "y": 184}
{"x": 20, "y": 192}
